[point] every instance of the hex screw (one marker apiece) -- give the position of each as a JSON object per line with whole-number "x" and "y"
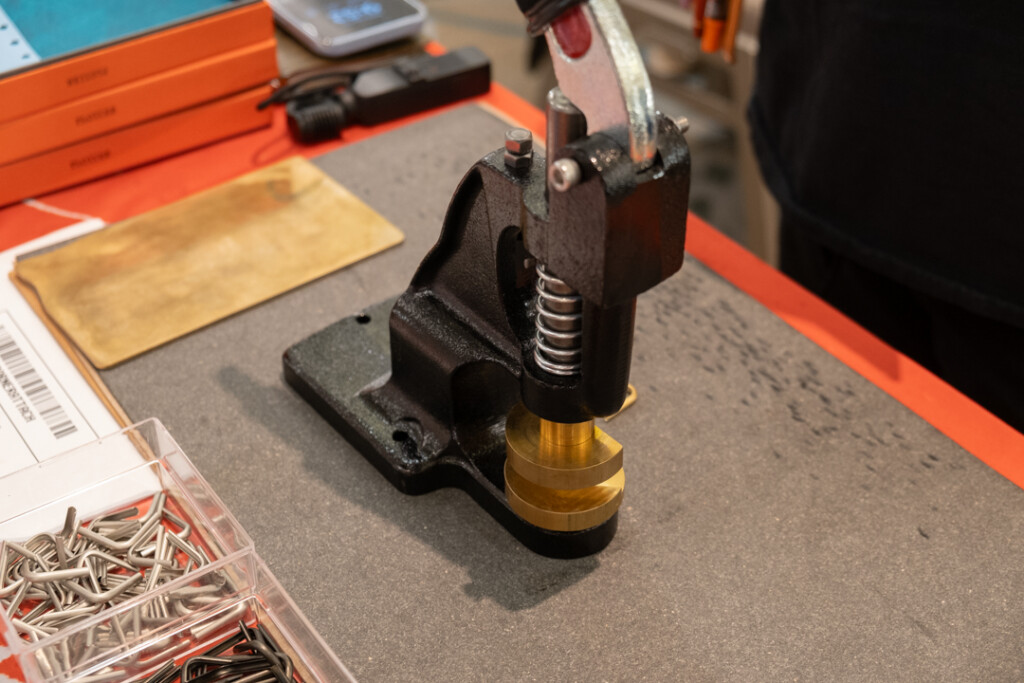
{"x": 564, "y": 174}
{"x": 518, "y": 148}
{"x": 518, "y": 141}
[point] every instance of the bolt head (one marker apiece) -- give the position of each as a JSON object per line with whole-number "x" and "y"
{"x": 518, "y": 141}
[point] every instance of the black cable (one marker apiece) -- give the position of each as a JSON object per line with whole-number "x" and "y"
{"x": 332, "y": 81}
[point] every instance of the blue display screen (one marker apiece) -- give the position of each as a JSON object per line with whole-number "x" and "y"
{"x": 355, "y": 12}
{"x": 335, "y": 17}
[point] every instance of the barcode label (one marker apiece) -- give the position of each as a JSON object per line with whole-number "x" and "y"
{"x": 33, "y": 389}
{"x": 40, "y": 419}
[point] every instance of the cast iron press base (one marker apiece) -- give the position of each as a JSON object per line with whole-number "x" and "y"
{"x": 422, "y": 384}
{"x": 333, "y": 383}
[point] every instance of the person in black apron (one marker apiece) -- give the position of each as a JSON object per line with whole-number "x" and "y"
{"x": 890, "y": 134}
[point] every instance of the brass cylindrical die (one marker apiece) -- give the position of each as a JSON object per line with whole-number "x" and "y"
{"x": 564, "y": 477}
{"x": 560, "y": 510}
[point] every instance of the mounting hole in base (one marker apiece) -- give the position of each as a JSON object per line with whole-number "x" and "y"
{"x": 362, "y": 318}
{"x": 405, "y": 444}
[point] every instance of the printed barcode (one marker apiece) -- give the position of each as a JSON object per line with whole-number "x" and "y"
{"x": 36, "y": 391}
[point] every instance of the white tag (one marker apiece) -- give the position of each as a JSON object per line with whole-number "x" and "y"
{"x": 33, "y": 401}
{"x": 46, "y": 405}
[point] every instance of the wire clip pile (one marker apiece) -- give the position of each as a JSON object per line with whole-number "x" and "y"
{"x": 54, "y": 581}
{"x": 250, "y": 656}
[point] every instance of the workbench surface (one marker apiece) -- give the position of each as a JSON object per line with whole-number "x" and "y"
{"x": 784, "y": 519}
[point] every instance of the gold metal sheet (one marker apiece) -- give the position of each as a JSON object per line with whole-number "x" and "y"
{"x": 80, "y": 362}
{"x": 147, "y": 280}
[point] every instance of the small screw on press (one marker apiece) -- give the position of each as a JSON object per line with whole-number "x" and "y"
{"x": 564, "y": 174}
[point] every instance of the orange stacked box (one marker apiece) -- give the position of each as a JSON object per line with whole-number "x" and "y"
{"x": 72, "y": 113}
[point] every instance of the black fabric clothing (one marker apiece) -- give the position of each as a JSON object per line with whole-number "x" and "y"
{"x": 980, "y": 356}
{"x": 889, "y": 132}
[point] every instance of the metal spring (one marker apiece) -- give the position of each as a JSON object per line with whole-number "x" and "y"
{"x": 559, "y": 325}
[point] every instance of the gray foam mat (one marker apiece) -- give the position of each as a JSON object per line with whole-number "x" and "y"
{"x": 784, "y": 519}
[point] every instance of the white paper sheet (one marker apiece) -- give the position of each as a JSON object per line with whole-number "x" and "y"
{"x": 46, "y": 406}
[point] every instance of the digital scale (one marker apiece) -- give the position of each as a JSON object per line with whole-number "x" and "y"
{"x": 336, "y": 28}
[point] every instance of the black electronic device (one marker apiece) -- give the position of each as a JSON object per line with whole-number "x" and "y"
{"x": 406, "y": 86}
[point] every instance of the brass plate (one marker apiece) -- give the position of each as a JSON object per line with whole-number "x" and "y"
{"x": 573, "y": 466}
{"x": 145, "y": 281}
{"x": 563, "y": 510}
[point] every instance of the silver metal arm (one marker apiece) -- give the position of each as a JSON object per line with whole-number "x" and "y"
{"x": 609, "y": 83}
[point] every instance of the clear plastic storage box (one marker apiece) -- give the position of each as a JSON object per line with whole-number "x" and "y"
{"x": 157, "y": 525}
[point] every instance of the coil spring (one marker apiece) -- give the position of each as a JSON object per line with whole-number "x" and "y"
{"x": 559, "y": 325}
